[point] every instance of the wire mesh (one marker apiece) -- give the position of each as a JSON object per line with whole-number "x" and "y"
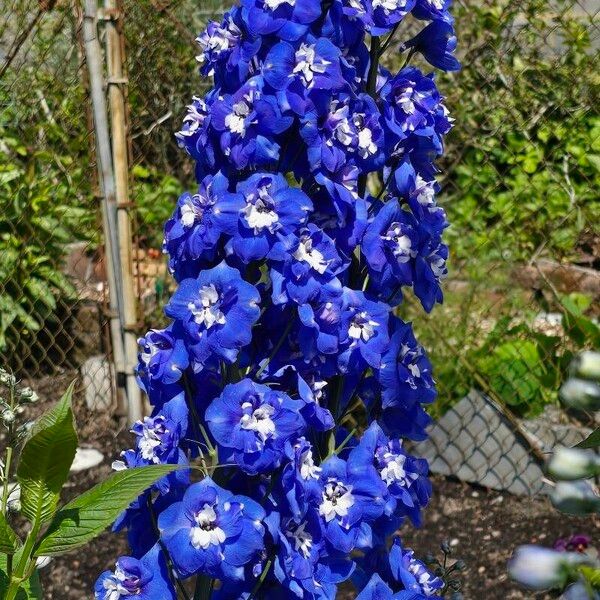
{"x": 52, "y": 282}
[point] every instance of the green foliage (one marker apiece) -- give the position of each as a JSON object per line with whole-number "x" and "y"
{"x": 42, "y": 470}
{"x": 84, "y": 518}
{"x": 525, "y": 160}
{"x": 155, "y": 197}
{"x": 45, "y": 461}
{"x": 42, "y": 211}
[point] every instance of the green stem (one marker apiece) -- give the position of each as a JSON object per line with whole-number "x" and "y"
{"x": 276, "y": 349}
{"x": 263, "y": 576}
{"x": 25, "y": 564}
{"x": 7, "y": 465}
{"x": 204, "y": 587}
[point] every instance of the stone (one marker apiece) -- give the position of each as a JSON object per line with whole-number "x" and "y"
{"x": 98, "y": 380}
{"x": 86, "y": 458}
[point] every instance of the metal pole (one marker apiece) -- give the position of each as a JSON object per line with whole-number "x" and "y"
{"x": 117, "y": 91}
{"x": 106, "y": 177}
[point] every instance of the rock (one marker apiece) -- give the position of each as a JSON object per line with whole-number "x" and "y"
{"x": 98, "y": 379}
{"x": 86, "y": 458}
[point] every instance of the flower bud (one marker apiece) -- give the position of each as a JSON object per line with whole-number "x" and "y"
{"x": 569, "y": 464}
{"x": 580, "y": 394}
{"x": 542, "y": 568}
{"x": 28, "y": 395}
{"x": 575, "y": 498}
{"x": 6, "y": 378}
{"x": 8, "y": 416}
{"x": 587, "y": 365}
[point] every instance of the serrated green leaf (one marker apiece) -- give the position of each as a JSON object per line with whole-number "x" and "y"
{"x": 87, "y": 516}
{"x": 592, "y": 441}
{"x": 9, "y": 542}
{"x": 45, "y": 460}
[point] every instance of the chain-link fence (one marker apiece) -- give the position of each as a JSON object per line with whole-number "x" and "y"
{"x": 520, "y": 184}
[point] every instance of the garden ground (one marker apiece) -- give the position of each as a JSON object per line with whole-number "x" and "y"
{"x": 483, "y": 526}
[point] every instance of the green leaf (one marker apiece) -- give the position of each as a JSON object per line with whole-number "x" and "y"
{"x": 9, "y": 543}
{"x": 87, "y": 516}
{"x": 45, "y": 461}
{"x": 29, "y": 590}
{"x": 592, "y": 441}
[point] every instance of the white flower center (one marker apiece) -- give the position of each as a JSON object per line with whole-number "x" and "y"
{"x": 439, "y": 4}
{"x": 274, "y": 4}
{"x": 208, "y": 312}
{"x": 308, "y": 469}
{"x": 188, "y": 214}
{"x": 401, "y": 243}
{"x": 344, "y": 133}
{"x": 114, "y": 589}
{"x": 236, "y": 121}
{"x": 206, "y": 533}
{"x": 362, "y": 327}
{"x": 149, "y": 352}
{"x": 259, "y": 420}
{"x": 425, "y": 191}
{"x": 260, "y": 214}
{"x": 337, "y": 500}
{"x": 366, "y": 145}
{"x": 394, "y": 468}
{"x": 389, "y": 5}
{"x": 149, "y": 441}
{"x": 306, "y": 253}
{"x": 306, "y": 65}
{"x": 302, "y": 540}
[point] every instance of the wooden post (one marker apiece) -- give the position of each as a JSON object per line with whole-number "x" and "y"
{"x": 106, "y": 177}
{"x": 117, "y": 96}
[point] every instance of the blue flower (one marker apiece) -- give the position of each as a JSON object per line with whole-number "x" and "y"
{"x": 377, "y": 589}
{"x": 288, "y": 19}
{"x": 162, "y": 358}
{"x": 299, "y": 71}
{"x": 247, "y": 122}
{"x": 301, "y": 564}
{"x": 350, "y": 496}
{"x": 300, "y": 478}
{"x": 433, "y": 10}
{"x": 412, "y": 573}
{"x": 195, "y": 135}
{"x": 387, "y": 13}
{"x": 314, "y": 394}
{"x": 158, "y": 440}
{"x": 212, "y": 532}
{"x": 252, "y": 423}
{"x": 305, "y": 267}
{"x": 401, "y": 252}
{"x": 227, "y": 51}
{"x": 410, "y": 105}
{"x": 199, "y": 221}
{"x": 437, "y": 43}
{"x": 363, "y": 331}
{"x": 133, "y": 579}
{"x": 271, "y": 209}
{"x": 406, "y": 383}
{"x": 346, "y": 128}
{"x": 217, "y": 310}
{"x": 404, "y": 475}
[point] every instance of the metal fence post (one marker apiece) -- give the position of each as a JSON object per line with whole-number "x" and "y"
{"x": 117, "y": 90}
{"x": 107, "y": 181}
